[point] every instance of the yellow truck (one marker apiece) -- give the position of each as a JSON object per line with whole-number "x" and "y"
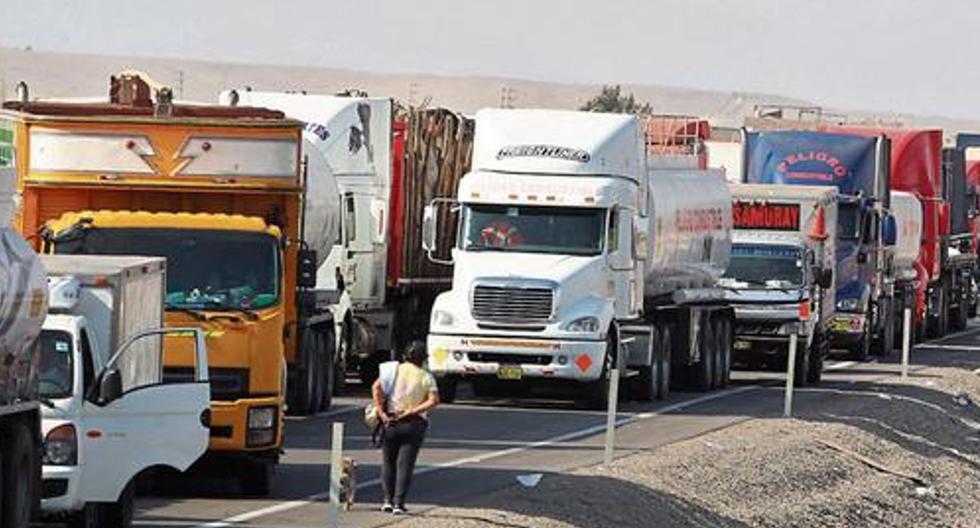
{"x": 219, "y": 192}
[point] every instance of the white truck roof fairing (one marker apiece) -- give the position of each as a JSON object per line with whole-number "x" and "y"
{"x": 558, "y": 142}
{"x": 561, "y": 191}
{"x": 795, "y": 224}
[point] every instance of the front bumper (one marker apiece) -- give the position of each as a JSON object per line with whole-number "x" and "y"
{"x": 59, "y": 485}
{"x": 847, "y": 329}
{"x": 229, "y": 421}
{"x": 521, "y": 358}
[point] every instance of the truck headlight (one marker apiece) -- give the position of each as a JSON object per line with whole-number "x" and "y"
{"x": 588, "y": 324}
{"x": 443, "y": 318}
{"x": 61, "y": 446}
{"x": 848, "y": 305}
{"x": 261, "y": 418}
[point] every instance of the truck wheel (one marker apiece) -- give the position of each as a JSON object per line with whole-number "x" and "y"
{"x": 364, "y": 345}
{"x": 301, "y": 393}
{"x": 704, "y": 369}
{"x": 862, "y": 350}
{"x": 885, "y": 343}
{"x": 596, "y": 396}
{"x": 87, "y": 518}
{"x": 20, "y": 472}
{"x": 724, "y": 353}
{"x": 316, "y": 392}
{"x": 328, "y": 362}
{"x": 666, "y": 349}
{"x": 801, "y": 371}
{"x": 718, "y": 366}
{"x": 340, "y": 365}
{"x": 960, "y": 318}
{"x": 646, "y": 386}
{"x": 447, "y": 386}
{"x": 118, "y": 514}
{"x": 254, "y": 479}
{"x": 814, "y": 371}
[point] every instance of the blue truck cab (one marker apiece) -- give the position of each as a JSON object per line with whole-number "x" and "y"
{"x": 858, "y": 166}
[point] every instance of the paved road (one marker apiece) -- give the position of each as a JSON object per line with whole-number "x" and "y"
{"x": 479, "y": 445}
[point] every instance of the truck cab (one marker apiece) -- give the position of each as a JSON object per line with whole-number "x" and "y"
{"x": 781, "y": 274}
{"x": 108, "y": 415}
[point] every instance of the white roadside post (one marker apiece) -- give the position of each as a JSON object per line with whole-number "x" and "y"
{"x": 906, "y": 341}
{"x": 336, "y": 469}
{"x": 611, "y": 405}
{"x": 790, "y": 374}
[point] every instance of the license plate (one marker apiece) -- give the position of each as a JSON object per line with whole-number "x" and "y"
{"x": 510, "y": 372}
{"x": 742, "y": 345}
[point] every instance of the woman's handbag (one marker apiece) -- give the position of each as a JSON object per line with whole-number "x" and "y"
{"x": 388, "y": 374}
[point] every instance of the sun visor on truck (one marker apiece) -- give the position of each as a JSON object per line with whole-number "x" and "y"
{"x": 811, "y": 158}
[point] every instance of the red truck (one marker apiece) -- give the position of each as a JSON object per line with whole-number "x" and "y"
{"x": 916, "y": 166}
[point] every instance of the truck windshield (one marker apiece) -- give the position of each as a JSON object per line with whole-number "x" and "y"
{"x": 766, "y": 266}
{"x": 533, "y": 229}
{"x": 206, "y": 269}
{"x": 55, "y": 372}
{"x": 848, "y": 221}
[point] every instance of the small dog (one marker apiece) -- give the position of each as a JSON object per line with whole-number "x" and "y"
{"x": 348, "y": 482}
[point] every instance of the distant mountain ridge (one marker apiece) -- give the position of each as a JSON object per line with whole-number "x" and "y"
{"x": 50, "y": 74}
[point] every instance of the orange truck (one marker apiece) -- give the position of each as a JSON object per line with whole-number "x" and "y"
{"x": 219, "y": 192}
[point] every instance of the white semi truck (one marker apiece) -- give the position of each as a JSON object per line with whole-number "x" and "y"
{"x": 573, "y": 247}
{"x": 782, "y": 275}
{"x": 110, "y": 415}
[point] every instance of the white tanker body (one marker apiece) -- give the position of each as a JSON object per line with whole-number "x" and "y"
{"x": 569, "y": 246}
{"x": 23, "y": 307}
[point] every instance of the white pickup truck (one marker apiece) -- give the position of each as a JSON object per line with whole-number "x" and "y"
{"x": 108, "y": 416}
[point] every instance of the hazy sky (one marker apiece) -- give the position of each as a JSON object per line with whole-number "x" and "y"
{"x": 891, "y": 55}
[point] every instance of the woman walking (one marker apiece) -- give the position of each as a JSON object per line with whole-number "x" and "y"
{"x": 403, "y": 404}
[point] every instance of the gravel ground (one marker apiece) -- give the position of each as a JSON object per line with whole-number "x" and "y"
{"x": 890, "y": 454}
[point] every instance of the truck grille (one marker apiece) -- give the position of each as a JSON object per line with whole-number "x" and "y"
{"x": 519, "y": 306}
{"x": 227, "y": 384}
{"x": 510, "y": 359}
{"x": 757, "y": 328}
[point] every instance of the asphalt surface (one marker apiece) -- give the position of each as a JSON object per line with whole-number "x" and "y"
{"x": 482, "y": 444}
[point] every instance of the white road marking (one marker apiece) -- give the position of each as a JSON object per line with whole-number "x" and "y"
{"x": 476, "y": 459}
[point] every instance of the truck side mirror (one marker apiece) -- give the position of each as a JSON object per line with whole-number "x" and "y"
{"x": 825, "y": 277}
{"x": 889, "y": 230}
{"x": 110, "y": 386}
{"x": 430, "y": 224}
{"x": 306, "y": 274}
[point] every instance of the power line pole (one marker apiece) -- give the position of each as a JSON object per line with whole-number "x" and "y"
{"x": 180, "y": 84}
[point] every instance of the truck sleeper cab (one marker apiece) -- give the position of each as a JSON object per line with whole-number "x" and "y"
{"x": 567, "y": 262}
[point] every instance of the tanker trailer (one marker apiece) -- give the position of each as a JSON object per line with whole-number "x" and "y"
{"x": 23, "y": 306}
{"x": 573, "y": 256}
{"x": 909, "y": 272}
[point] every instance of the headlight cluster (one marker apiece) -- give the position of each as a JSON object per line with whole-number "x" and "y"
{"x": 848, "y": 305}
{"x": 443, "y": 318}
{"x": 61, "y": 446}
{"x": 261, "y": 426}
{"x": 588, "y": 324}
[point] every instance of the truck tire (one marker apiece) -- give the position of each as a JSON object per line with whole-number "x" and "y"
{"x": 596, "y": 395}
{"x": 960, "y": 314}
{"x": 302, "y": 393}
{"x": 801, "y": 370}
{"x": 724, "y": 352}
{"x": 340, "y": 365}
{"x": 862, "y": 350}
{"x": 667, "y": 348}
{"x": 814, "y": 371}
{"x": 646, "y": 385}
{"x": 885, "y": 343}
{"x": 718, "y": 364}
{"x": 87, "y": 518}
{"x": 254, "y": 479}
{"x": 364, "y": 346}
{"x": 447, "y": 386}
{"x": 118, "y": 514}
{"x": 704, "y": 375}
{"x": 19, "y": 475}
{"x": 328, "y": 361}
{"x": 939, "y": 323}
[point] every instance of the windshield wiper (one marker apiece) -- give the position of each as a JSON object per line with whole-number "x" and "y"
{"x": 46, "y": 402}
